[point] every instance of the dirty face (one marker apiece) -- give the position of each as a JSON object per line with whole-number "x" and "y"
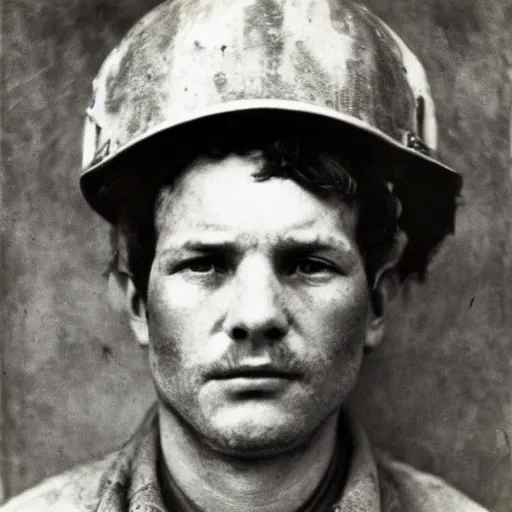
{"x": 257, "y": 306}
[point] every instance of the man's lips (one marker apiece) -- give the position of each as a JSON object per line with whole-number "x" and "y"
{"x": 254, "y": 372}
{"x": 253, "y": 382}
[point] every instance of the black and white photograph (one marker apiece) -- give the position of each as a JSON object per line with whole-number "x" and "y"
{"x": 256, "y": 256}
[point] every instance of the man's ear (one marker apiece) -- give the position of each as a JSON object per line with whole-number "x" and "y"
{"x": 381, "y": 295}
{"x": 125, "y": 297}
{"x": 383, "y": 290}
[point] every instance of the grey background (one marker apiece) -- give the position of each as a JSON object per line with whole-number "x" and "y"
{"x": 73, "y": 382}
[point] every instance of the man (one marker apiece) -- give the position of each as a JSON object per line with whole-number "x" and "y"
{"x": 266, "y": 168}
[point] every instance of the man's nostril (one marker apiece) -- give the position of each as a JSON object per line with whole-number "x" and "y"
{"x": 274, "y": 333}
{"x": 239, "y": 333}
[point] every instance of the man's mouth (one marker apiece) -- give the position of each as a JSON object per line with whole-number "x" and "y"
{"x": 255, "y": 372}
{"x": 253, "y": 381}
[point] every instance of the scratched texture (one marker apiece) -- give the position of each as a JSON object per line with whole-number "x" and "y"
{"x": 438, "y": 394}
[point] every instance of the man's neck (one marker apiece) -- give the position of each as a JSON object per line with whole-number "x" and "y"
{"x": 215, "y": 482}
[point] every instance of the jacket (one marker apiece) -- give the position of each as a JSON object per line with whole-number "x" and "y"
{"x": 126, "y": 481}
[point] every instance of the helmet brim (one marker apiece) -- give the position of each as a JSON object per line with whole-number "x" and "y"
{"x": 391, "y": 151}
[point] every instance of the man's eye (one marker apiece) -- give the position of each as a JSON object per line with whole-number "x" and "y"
{"x": 311, "y": 267}
{"x": 199, "y": 265}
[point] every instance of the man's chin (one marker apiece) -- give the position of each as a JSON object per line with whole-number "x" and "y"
{"x": 250, "y": 446}
{"x": 254, "y": 435}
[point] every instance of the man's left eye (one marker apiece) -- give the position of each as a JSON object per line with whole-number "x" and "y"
{"x": 312, "y": 267}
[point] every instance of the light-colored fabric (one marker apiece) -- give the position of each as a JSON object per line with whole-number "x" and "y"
{"x": 127, "y": 481}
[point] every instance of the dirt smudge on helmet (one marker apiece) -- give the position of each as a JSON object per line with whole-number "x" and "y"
{"x": 265, "y": 18}
{"x": 385, "y": 93}
{"x": 338, "y": 19}
{"x": 310, "y": 74}
{"x": 263, "y": 26}
{"x": 220, "y": 81}
{"x": 116, "y": 84}
{"x": 393, "y": 99}
{"x": 133, "y": 82}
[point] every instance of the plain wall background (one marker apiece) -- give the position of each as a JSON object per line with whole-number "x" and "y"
{"x": 73, "y": 382}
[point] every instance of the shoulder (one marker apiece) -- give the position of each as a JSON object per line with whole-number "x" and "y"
{"x": 76, "y": 490}
{"x": 422, "y": 492}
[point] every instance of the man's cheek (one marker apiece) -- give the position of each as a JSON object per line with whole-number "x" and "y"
{"x": 345, "y": 330}
{"x": 173, "y": 351}
{"x": 352, "y": 322}
{"x": 164, "y": 351}
{"x": 164, "y": 361}
{"x": 165, "y": 322}
{"x": 174, "y": 379}
{"x": 341, "y": 353}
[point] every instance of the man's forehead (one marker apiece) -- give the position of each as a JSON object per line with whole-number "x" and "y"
{"x": 225, "y": 197}
{"x": 311, "y": 232}
{"x": 235, "y": 180}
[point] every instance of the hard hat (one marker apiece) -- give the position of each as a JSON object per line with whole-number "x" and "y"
{"x": 191, "y": 61}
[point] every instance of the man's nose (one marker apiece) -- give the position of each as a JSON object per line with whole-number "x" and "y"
{"x": 257, "y": 312}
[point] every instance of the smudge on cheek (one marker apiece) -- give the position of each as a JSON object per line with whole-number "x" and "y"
{"x": 338, "y": 360}
{"x": 164, "y": 345}
{"x": 173, "y": 380}
{"x": 165, "y": 332}
{"x": 344, "y": 328}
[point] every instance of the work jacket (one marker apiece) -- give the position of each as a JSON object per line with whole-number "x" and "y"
{"x": 127, "y": 481}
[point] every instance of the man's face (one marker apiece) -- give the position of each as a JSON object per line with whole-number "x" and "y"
{"x": 257, "y": 306}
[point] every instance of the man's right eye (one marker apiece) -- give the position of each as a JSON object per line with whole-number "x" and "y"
{"x": 199, "y": 265}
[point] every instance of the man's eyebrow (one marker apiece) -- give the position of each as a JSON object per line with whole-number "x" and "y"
{"x": 199, "y": 241}
{"x": 318, "y": 242}
{"x": 204, "y": 244}
{"x": 194, "y": 242}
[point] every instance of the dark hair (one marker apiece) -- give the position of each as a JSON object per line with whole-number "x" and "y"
{"x": 320, "y": 165}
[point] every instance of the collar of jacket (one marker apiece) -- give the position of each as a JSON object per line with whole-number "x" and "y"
{"x": 131, "y": 483}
